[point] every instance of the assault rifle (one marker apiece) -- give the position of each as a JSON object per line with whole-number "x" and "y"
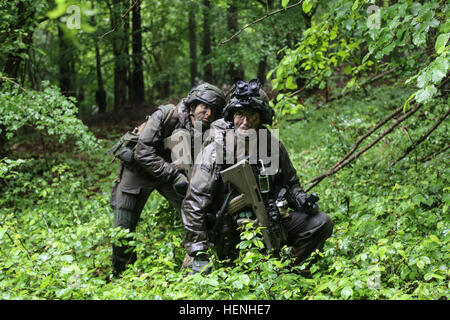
{"x": 268, "y": 217}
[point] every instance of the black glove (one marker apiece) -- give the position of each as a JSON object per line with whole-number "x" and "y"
{"x": 307, "y": 203}
{"x": 180, "y": 183}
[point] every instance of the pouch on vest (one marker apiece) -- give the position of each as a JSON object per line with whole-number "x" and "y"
{"x": 124, "y": 148}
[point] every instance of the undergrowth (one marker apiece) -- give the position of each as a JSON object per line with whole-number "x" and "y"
{"x": 390, "y": 239}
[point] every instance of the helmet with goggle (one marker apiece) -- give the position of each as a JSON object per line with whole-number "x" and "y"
{"x": 249, "y": 96}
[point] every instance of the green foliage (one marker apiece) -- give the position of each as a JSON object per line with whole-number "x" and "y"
{"x": 47, "y": 111}
{"x": 391, "y": 225}
{"x": 17, "y": 28}
{"x": 347, "y": 37}
{"x": 390, "y": 239}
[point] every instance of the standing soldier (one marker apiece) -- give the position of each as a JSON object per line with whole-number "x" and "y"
{"x": 146, "y": 164}
{"x": 208, "y": 213}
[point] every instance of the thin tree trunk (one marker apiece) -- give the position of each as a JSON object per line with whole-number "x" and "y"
{"x": 206, "y": 51}
{"x": 120, "y": 50}
{"x": 3, "y": 142}
{"x": 100, "y": 94}
{"x": 233, "y": 27}
{"x": 262, "y": 69}
{"x": 127, "y": 58}
{"x": 66, "y": 65}
{"x": 192, "y": 46}
{"x": 137, "y": 93}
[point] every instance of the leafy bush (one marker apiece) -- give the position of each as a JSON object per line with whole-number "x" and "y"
{"x": 47, "y": 111}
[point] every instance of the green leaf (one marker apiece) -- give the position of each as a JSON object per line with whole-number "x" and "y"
{"x": 426, "y": 93}
{"x": 212, "y": 282}
{"x": 407, "y": 105}
{"x": 419, "y": 38}
{"x": 445, "y": 27}
{"x": 259, "y": 244}
{"x": 347, "y": 292}
{"x": 284, "y": 3}
{"x": 446, "y": 198}
{"x": 348, "y": 69}
{"x": 366, "y": 57}
{"x": 432, "y": 275}
{"x": 322, "y": 85}
{"x": 355, "y": 5}
{"x": 307, "y": 6}
{"x": 441, "y": 42}
{"x": 418, "y": 198}
{"x": 244, "y": 279}
{"x": 290, "y": 83}
{"x": 439, "y": 70}
{"x": 420, "y": 264}
{"x": 59, "y": 10}
{"x": 382, "y": 251}
{"x": 434, "y": 238}
{"x": 404, "y": 273}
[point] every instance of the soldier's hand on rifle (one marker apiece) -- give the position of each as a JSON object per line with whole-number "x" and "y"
{"x": 180, "y": 183}
{"x": 307, "y": 203}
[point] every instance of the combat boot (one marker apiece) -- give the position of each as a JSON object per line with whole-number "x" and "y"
{"x": 197, "y": 264}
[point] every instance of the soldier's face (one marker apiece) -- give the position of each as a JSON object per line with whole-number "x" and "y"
{"x": 245, "y": 120}
{"x": 203, "y": 113}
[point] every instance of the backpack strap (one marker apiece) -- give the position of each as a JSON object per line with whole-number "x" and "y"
{"x": 170, "y": 115}
{"x": 170, "y": 121}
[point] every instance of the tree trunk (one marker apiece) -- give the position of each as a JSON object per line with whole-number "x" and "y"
{"x": 137, "y": 94}
{"x": 192, "y": 46}
{"x": 100, "y": 94}
{"x": 119, "y": 39}
{"x": 126, "y": 39}
{"x": 66, "y": 65}
{"x": 206, "y": 52}
{"x": 235, "y": 68}
{"x": 3, "y": 142}
{"x": 262, "y": 69}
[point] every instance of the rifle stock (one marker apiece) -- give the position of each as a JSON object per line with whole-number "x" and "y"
{"x": 241, "y": 176}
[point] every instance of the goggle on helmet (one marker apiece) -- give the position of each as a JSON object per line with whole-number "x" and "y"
{"x": 249, "y": 96}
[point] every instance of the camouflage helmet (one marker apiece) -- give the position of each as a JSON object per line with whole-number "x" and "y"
{"x": 249, "y": 96}
{"x": 209, "y": 95}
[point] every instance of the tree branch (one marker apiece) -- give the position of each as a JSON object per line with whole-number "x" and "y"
{"x": 368, "y": 81}
{"x": 362, "y": 138}
{"x": 347, "y": 158}
{"x": 343, "y": 162}
{"x": 259, "y": 20}
{"x": 121, "y": 19}
{"x": 415, "y": 144}
{"x": 434, "y": 154}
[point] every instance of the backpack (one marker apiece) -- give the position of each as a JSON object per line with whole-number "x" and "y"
{"x": 124, "y": 148}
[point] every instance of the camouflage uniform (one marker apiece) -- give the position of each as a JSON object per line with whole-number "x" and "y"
{"x": 151, "y": 169}
{"x": 306, "y": 230}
